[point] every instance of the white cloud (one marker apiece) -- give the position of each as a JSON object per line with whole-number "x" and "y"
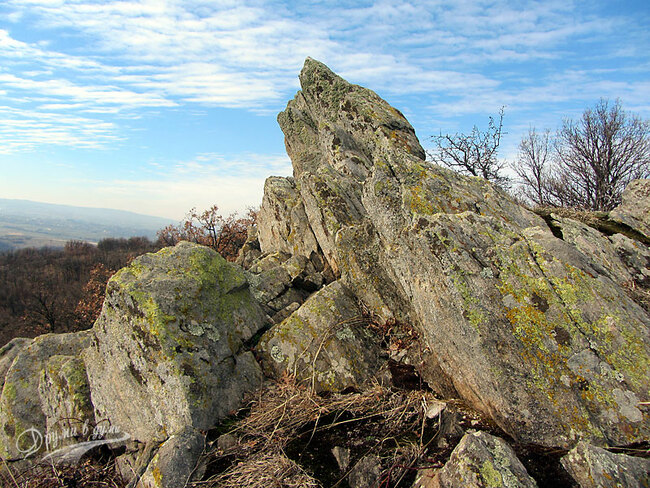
{"x": 22, "y": 130}
{"x": 139, "y": 55}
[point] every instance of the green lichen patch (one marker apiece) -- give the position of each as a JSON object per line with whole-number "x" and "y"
{"x": 324, "y": 343}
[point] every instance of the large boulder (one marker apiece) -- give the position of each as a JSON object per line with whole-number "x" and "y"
{"x": 526, "y": 326}
{"x": 24, "y": 416}
{"x": 167, "y": 352}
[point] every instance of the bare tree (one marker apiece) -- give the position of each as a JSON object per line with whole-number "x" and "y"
{"x": 599, "y": 155}
{"x": 474, "y": 153}
{"x": 533, "y": 167}
{"x": 226, "y": 235}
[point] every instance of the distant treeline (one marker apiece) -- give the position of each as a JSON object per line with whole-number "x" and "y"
{"x": 60, "y": 290}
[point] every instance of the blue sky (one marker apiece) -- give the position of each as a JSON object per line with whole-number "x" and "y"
{"x": 157, "y": 106}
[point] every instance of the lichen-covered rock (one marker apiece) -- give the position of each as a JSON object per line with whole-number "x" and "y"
{"x": 325, "y": 343}
{"x": 8, "y": 353}
{"x": 594, "y": 467}
{"x": 481, "y": 461}
{"x": 167, "y": 351}
{"x": 269, "y": 284}
{"x": 618, "y": 257}
{"x": 268, "y": 261}
{"x": 283, "y": 225}
{"x": 250, "y": 251}
{"x": 65, "y": 400}
{"x": 175, "y": 462}
{"x": 20, "y": 403}
{"x": 634, "y": 210}
{"x": 278, "y": 280}
{"x": 366, "y": 472}
{"x": 528, "y": 328}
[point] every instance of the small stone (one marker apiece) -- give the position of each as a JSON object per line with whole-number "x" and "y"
{"x": 226, "y": 442}
{"x": 482, "y": 461}
{"x": 366, "y": 472}
{"x": 435, "y": 409}
{"x": 594, "y": 467}
{"x": 342, "y": 456}
{"x": 175, "y": 463}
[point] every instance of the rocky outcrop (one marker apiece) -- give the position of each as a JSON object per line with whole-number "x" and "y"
{"x": 593, "y": 467}
{"x": 369, "y": 264}
{"x": 167, "y": 352}
{"x": 526, "y": 326}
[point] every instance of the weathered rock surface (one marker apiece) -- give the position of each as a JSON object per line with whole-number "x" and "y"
{"x": 281, "y": 282}
{"x": 175, "y": 462}
{"x": 525, "y": 325}
{"x": 20, "y": 404}
{"x": 168, "y": 349}
{"x": 283, "y": 224}
{"x": 8, "y": 353}
{"x": 618, "y": 257}
{"x": 481, "y": 461}
{"x": 634, "y": 210}
{"x": 325, "y": 342}
{"x": 250, "y": 251}
{"x": 65, "y": 399}
{"x": 367, "y": 472}
{"x": 594, "y": 467}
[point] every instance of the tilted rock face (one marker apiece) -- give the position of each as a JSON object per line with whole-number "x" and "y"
{"x": 167, "y": 352}
{"x": 175, "y": 462}
{"x": 526, "y": 326}
{"x": 21, "y": 407}
{"x": 618, "y": 257}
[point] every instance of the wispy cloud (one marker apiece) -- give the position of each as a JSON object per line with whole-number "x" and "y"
{"x": 22, "y": 130}
{"x": 124, "y": 56}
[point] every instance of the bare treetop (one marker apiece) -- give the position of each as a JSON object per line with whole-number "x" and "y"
{"x": 473, "y": 154}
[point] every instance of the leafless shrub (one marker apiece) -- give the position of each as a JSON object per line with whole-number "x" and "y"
{"x": 473, "y": 154}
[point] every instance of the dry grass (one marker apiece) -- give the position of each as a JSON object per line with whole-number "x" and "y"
{"x": 88, "y": 473}
{"x": 288, "y": 411}
{"x": 268, "y": 470}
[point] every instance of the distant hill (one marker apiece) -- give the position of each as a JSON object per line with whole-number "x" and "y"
{"x": 25, "y": 223}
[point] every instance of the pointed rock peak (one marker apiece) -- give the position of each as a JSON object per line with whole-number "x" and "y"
{"x": 346, "y": 118}
{"x": 315, "y": 72}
